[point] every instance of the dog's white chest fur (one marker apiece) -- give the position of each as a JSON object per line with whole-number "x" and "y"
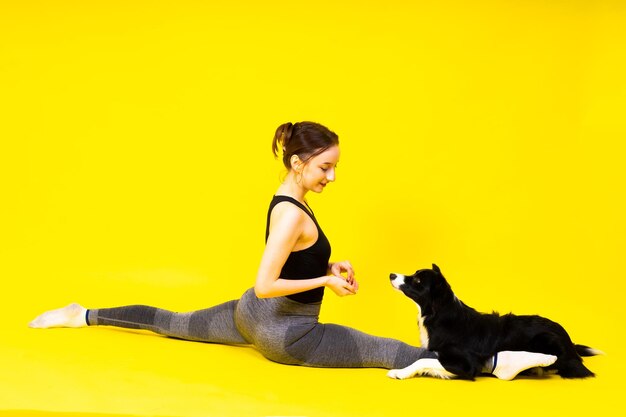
{"x": 423, "y": 331}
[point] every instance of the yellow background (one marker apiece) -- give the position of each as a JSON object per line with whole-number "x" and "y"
{"x": 135, "y": 165}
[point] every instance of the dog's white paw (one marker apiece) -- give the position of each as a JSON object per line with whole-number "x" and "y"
{"x": 421, "y": 367}
{"x": 393, "y": 374}
{"x": 399, "y": 374}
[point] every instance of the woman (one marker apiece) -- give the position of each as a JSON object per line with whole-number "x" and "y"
{"x": 279, "y": 316}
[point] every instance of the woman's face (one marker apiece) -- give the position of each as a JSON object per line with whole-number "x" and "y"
{"x": 320, "y": 170}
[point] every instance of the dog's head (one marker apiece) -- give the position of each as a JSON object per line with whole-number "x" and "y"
{"x": 427, "y": 287}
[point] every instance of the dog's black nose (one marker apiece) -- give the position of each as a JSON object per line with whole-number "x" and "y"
{"x": 392, "y": 276}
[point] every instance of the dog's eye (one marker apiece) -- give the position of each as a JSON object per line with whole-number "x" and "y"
{"x": 416, "y": 280}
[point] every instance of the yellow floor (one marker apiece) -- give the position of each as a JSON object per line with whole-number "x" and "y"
{"x": 106, "y": 371}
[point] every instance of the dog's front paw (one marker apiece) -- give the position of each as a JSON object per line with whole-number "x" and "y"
{"x": 393, "y": 374}
{"x": 399, "y": 374}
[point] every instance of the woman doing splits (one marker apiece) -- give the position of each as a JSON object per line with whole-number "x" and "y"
{"x": 279, "y": 315}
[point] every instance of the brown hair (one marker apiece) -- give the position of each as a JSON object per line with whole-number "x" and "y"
{"x": 305, "y": 139}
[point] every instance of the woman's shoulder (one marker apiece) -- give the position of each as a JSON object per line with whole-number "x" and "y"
{"x": 286, "y": 219}
{"x": 285, "y": 211}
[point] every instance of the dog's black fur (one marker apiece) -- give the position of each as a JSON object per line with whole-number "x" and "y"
{"x": 465, "y": 339}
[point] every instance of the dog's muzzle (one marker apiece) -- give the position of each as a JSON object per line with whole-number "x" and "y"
{"x": 396, "y": 280}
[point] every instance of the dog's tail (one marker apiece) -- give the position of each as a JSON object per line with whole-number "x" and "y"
{"x": 587, "y": 351}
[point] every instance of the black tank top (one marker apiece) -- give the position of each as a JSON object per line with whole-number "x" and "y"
{"x": 308, "y": 263}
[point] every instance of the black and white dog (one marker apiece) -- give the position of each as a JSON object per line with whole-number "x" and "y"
{"x": 465, "y": 339}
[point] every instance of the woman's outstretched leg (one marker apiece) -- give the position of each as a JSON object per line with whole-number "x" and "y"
{"x": 331, "y": 345}
{"x": 214, "y": 325}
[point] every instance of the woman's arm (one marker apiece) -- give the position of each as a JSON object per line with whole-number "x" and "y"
{"x": 287, "y": 227}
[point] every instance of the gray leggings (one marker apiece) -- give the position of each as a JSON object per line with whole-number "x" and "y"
{"x": 283, "y": 330}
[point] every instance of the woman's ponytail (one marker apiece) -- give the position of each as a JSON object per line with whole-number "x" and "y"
{"x": 282, "y": 138}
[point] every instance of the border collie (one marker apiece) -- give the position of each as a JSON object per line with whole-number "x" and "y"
{"x": 465, "y": 339}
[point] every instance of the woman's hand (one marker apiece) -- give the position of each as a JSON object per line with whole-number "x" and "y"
{"x": 338, "y": 268}
{"x": 340, "y": 285}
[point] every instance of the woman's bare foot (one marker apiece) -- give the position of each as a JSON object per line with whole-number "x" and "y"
{"x": 511, "y": 363}
{"x": 73, "y": 315}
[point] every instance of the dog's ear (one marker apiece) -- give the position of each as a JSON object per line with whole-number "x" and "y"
{"x": 436, "y": 269}
{"x": 441, "y": 292}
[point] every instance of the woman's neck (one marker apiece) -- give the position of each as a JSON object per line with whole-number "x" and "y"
{"x": 291, "y": 188}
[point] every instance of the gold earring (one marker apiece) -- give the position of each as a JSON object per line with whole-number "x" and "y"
{"x": 298, "y": 177}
